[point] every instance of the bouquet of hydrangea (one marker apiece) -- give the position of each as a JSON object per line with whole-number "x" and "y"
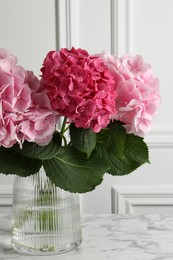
{"x": 87, "y": 115}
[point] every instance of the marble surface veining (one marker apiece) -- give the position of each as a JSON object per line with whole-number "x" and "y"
{"x": 114, "y": 237}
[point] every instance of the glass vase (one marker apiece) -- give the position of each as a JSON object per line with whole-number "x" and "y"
{"x": 46, "y": 219}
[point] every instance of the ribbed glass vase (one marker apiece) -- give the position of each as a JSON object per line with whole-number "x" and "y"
{"x": 46, "y": 219}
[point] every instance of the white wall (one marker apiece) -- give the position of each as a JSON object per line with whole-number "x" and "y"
{"x": 27, "y": 30}
{"x": 139, "y": 26}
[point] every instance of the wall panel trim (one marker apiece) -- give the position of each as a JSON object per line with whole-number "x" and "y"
{"x": 160, "y": 138}
{"x": 121, "y": 19}
{"x": 67, "y": 23}
{"x": 125, "y": 197}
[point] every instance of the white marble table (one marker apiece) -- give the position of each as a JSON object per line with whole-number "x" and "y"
{"x": 115, "y": 237}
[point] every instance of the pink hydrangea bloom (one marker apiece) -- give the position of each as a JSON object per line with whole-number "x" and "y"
{"x": 38, "y": 125}
{"x": 138, "y": 96}
{"x": 20, "y": 105}
{"x": 80, "y": 87}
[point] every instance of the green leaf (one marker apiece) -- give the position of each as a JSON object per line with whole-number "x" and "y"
{"x": 70, "y": 170}
{"x": 83, "y": 139}
{"x": 136, "y": 149}
{"x": 133, "y": 152}
{"x": 114, "y": 138}
{"x": 118, "y": 136}
{"x": 12, "y": 162}
{"x": 35, "y": 151}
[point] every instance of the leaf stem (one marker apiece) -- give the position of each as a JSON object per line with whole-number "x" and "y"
{"x": 65, "y": 141}
{"x": 63, "y": 128}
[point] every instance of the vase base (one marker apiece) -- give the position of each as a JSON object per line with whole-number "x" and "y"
{"x": 45, "y": 250}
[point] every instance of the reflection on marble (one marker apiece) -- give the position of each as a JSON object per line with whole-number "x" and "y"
{"x": 115, "y": 237}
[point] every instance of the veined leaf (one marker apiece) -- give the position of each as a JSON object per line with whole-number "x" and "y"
{"x": 135, "y": 153}
{"x": 35, "y": 151}
{"x": 136, "y": 149}
{"x": 82, "y": 139}
{"x": 118, "y": 138}
{"x": 113, "y": 138}
{"x": 11, "y": 162}
{"x": 70, "y": 170}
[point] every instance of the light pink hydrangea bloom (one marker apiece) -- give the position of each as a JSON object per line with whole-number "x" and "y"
{"x": 80, "y": 87}
{"x": 138, "y": 96}
{"x": 20, "y": 105}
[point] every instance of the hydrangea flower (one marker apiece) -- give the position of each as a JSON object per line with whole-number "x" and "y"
{"x": 80, "y": 87}
{"x": 138, "y": 95}
{"x": 22, "y": 114}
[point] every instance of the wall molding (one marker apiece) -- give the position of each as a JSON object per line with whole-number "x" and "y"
{"x": 67, "y": 23}
{"x": 121, "y": 13}
{"x": 160, "y": 137}
{"x": 126, "y": 197}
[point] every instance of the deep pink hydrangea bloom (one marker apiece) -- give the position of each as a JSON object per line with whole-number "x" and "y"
{"x": 80, "y": 87}
{"x": 138, "y": 96}
{"x": 23, "y": 116}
